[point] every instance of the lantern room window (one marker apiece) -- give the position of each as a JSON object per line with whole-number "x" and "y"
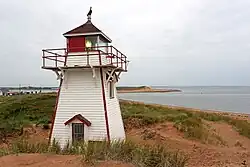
{"x": 91, "y": 42}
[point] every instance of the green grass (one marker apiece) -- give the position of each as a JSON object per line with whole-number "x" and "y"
{"x": 128, "y": 152}
{"x": 190, "y": 122}
{"x": 17, "y": 111}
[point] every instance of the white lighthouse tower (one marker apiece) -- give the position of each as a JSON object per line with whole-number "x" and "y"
{"x": 87, "y": 106}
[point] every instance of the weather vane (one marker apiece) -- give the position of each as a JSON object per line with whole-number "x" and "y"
{"x": 89, "y": 13}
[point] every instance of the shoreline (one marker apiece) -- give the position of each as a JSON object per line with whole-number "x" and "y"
{"x": 144, "y": 89}
{"x": 147, "y": 91}
{"x": 236, "y": 115}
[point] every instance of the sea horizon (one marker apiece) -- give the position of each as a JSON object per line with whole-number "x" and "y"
{"x": 218, "y": 98}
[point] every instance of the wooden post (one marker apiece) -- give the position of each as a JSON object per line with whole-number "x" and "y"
{"x": 117, "y": 57}
{"x": 100, "y": 58}
{"x": 43, "y": 59}
{"x": 56, "y": 59}
{"x": 87, "y": 56}
{"x": 125, "y": 63}
{"x": 65, "y": 56}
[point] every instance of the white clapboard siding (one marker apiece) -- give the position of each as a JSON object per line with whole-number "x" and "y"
{"x": 80, "y": 59}
{"x": 80, "y": 94}
{"x": 116, "y": 127}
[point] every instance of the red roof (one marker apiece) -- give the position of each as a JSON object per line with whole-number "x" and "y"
{"x": 80, "y": 118}
{"x": 86, "y": 29}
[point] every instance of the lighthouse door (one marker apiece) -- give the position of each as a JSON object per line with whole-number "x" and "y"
{"x": 77, "y": 131}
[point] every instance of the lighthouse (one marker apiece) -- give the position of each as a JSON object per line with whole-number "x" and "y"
{"x": 87, "y": 106}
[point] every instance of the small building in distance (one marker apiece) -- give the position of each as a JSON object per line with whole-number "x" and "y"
{"x": 4, "y": 91}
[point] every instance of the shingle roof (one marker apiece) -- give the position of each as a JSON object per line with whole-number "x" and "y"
{"x": 80, "y": 118}
{"x": 86, "y": 28}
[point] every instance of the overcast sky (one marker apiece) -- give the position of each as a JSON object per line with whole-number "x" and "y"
{"x": 180, "y": 42}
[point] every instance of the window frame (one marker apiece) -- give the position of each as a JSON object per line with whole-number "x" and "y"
{"x": 93, "y": 40}
{"x": 74, "y": 133}
{"x": 111, "y": 90}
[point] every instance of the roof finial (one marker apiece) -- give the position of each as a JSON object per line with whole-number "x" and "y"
{"x": 89, "y": 14}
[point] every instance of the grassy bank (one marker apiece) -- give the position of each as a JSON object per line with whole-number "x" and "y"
{"x": 191, "y": 123}
{"x": 15, "y": 112}
{"x": 18, "y": 111}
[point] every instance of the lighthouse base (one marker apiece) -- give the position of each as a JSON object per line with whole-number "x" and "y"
{"x": 87, "y": 109}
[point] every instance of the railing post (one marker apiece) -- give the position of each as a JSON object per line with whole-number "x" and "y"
{"x": 65, "y": 56}
{"x": 43, "y": 59}
{"x": 125, "y": 63}
{"x": 117, "y": 54}
{"x": 56, "y": 60}
{"x": 111, "y": 53}
{"x": 87, "y": 56}
{"x": 121, "y": 62}
{"x": 111, "y": 59}
{"x": 117, "y": 58}
{"x": 100, "y": 59}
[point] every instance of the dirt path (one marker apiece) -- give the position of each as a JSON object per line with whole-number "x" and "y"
{"x": 42, "y": 160}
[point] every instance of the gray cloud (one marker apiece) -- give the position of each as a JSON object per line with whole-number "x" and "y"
{"x": 168, "y": 42}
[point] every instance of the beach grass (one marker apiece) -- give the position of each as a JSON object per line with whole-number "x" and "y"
{"x": 93, "y": 152}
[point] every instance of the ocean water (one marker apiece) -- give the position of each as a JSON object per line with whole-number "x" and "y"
{"x": 225, "y": 98}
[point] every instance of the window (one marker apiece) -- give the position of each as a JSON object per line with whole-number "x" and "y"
{"x": 111, "y": 90}
{"x": 77, "y": 131}
{"x": 103, "y": 44}
{"x": 90, "y": 42}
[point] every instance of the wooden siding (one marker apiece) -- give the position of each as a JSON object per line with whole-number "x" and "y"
{"x": 79, "y": 60}
{"x": 80, "y": 94}
{"x": 116, "y": 126}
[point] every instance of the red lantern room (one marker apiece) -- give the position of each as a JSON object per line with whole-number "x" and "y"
{"x": 86, "y": 46}
{"x": 85, "y": 35}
